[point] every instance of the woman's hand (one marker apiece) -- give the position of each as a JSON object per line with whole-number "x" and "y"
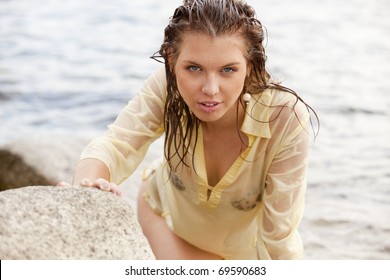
{"x": 99, "y": 183}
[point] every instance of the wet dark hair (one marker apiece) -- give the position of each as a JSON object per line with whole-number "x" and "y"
{"x": 214, "y": 18}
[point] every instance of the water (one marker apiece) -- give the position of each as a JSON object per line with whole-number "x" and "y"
{"x": 70, "y": 66}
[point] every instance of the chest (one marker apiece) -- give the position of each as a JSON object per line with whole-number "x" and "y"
{"x": 220, "y": 153}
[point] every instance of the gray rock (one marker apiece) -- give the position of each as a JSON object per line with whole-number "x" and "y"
{"x": 68, "y": 223}
{"x": 12, "y": 166}
{"x": 52, "y": 156}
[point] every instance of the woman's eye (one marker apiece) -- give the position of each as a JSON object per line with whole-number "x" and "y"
{"x": 228, "y": 70}
{"x": 193, "y": 68}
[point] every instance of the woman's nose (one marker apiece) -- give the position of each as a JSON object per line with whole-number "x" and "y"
{"x": 210, "y": 86}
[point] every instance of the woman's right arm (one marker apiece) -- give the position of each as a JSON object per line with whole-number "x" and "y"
{"x": 116, "y": 154}
{"x": 91, "y": 169}
{"x": 109, "y": 159}
{"x": 91, "y": 172}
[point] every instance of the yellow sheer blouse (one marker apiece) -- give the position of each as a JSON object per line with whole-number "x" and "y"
{"x": 255, "y": 209}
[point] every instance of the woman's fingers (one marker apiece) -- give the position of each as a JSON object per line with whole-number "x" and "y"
{"x": 115, "y": 189}
{"x": 86, "y": 183}
{"x": 63, "y": 184}
{"x": 103, "y": 185}
{"x": 100, "y": 183}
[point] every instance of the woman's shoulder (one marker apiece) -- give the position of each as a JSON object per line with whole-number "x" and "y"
{"x": 279, "y": 96}
{"x": 285, "y": 103}
{"x": 281, "y": 109}
{"x": 157, "y": 80}
{"x": 154, "y": 86}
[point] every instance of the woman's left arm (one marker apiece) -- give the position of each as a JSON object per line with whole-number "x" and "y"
{"x": 284, "y": 196}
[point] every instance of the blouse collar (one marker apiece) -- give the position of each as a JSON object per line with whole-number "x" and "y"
{"x": 257, "y": 117}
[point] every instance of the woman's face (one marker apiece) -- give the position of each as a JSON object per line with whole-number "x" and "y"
{"x": 210, "y": 75}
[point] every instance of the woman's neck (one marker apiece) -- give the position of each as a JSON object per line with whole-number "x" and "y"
{"x": 230, "y": 122}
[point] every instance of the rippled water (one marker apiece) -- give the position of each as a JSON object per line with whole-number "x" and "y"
{"x": 70, "y": 66}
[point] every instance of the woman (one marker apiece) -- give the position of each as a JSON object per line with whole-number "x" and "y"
{"x": 233, "y": 178}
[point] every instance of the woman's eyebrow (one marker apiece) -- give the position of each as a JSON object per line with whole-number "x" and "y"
{"x": 223, "y": 66}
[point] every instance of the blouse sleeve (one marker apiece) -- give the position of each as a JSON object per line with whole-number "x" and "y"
{"x": 126, "y": 142}
{"x": 284, "y": 193}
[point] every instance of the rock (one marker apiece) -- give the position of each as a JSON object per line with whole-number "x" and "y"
{"x": 12, "y": 166}
{"x": 46, "y": 222}
{"x": 48, "y": 159}
{"x": 52, "y": 157}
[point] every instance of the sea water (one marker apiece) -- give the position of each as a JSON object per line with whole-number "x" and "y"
{"x": 68, "y": 67}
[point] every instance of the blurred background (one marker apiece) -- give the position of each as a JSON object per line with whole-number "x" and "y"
{"x": 68, "y": 67}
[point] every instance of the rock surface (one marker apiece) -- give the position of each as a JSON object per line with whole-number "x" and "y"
{"x": 12, "y": 166}
{"x": 48, "y": 159}
{"x": 41, "y": 160}
{"x": 46, "y": 222}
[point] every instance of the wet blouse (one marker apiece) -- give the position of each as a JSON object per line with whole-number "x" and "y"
{"x": 254, "y": 210}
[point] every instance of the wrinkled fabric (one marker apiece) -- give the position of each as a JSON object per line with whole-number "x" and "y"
{"x": 254, "y": 210}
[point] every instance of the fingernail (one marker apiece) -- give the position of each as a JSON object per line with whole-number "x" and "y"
{"x": 85, "y": 182}
{"x": 105, "y": 187}
{"x": 63, "y": 184}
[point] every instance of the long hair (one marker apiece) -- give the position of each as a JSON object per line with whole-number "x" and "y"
{"x": 214, "y": 18}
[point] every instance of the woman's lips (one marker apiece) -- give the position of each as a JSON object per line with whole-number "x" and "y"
{"x": 209, "y": 106}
